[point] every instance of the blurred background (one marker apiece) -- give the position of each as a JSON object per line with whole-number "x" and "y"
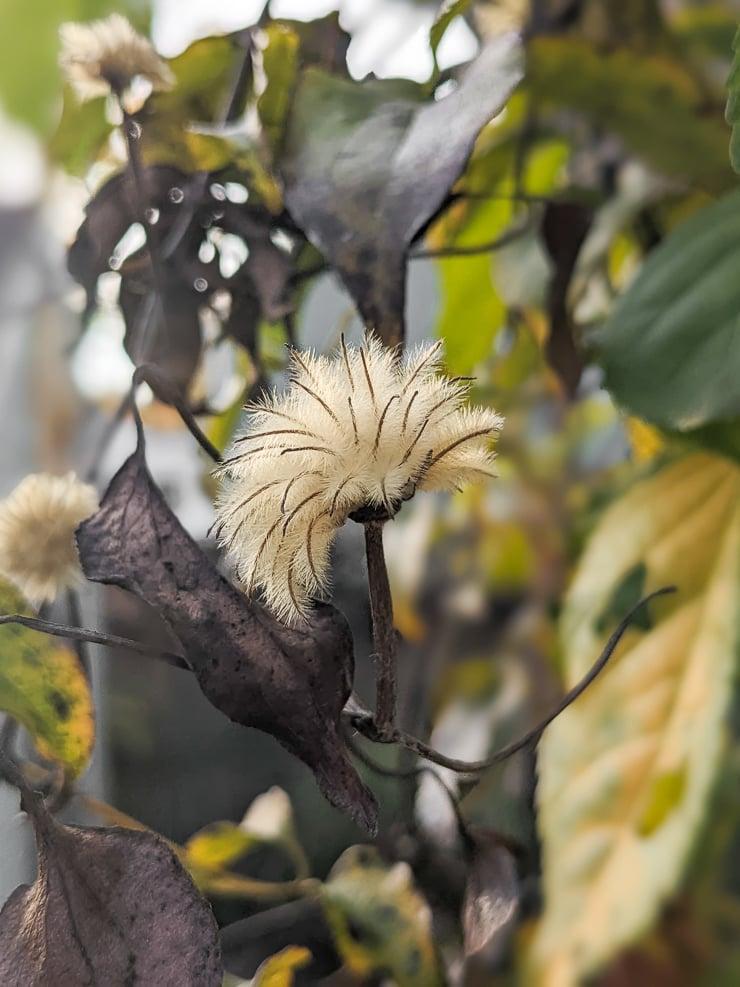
{"x": 478, "y": 578}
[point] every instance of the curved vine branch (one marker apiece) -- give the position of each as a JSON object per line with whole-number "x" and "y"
{"x": 366, "y": 726}
{"x": 93, "y": 637}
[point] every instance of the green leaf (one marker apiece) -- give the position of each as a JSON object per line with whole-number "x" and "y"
{"x": 653, "y": 103}
{"x": 175, "y": 122}
{"x": 43, "y": 687}
{"x": 83, "y": 130}
{"x": 280, "y": 66}
{"x": 467, "y": 283}
{"x": 625, "y": 773}
{"x": 669, "y": 348}
{"x": 732, "y": 113}
{"x": 30, "y": 81}
{"x": 449, "y": 10}
{"x": 380, "y": 921}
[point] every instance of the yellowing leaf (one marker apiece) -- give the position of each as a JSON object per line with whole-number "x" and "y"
{"x": 217, "y": 846}
{"x": 379, "y": 920}
{"x": 280, "y": 65}
{"x": 625, "y": 773}
{"x": 279, "y": 970}
{"x": 645, "y": 440}
{"x": 620, "y": 92}
{"x": 43, "y": 686}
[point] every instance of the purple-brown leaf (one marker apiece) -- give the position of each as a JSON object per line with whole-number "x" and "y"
{"x": 109, "y": 907}
{"x": 368, "y": 164}
{"x": 291, "y": 683}
{"x": 491, "y": 899}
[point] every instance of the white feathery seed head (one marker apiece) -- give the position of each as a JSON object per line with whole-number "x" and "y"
{"x": 361, "y": 428}
{"x": 37, "y": 525}
{"x": 108, "y": 54}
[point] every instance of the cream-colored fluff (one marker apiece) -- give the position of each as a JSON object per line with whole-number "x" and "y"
{"x": 357, "y": 428}
{"x": 109, "y": 54}
{"x": 37, "y": 525}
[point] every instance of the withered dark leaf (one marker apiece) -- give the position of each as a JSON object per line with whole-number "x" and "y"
{"x": 289, "y": 682}
{"x": 162, "y": 328}
{"x": 109, "y": 908}
{"x": 565, "y": 226}
{"x": 108, "y": 215}
{"x": 491, "y": 900}
{"x": 267, "y": 268}
{"x": 367, "y": 165}
{"x": 169, "y": 333}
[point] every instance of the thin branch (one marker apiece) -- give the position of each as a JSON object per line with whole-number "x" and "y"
{"x": 163, "y": 388}
{"x": 384, "y": 634}
{"x": 74, "y": 615}
{"x": 479, "y": 248}
{"x": 375, "y": 732}
{"x": 93, "y": 637}
{"x": 132, "y": 134}
{"x": 106, "y": 437}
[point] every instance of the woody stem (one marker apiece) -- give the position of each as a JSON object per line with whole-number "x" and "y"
{"x": 384, "y": 634}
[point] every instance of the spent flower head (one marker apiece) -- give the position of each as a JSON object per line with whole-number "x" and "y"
{"x": 107, "y": 55}
{"x": 359, "y": 430}
{"x": 37, "y": 524}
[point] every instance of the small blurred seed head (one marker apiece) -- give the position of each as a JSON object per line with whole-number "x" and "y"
{"x": 37, "y": 525}
{"x": 107, "y": 55}
{"x": 361, "y": 428}
{"x": 270, "y": 816}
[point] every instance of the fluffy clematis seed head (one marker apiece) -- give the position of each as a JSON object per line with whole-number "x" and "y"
{"x": 109, "y": 54}
{"x": 37, "y": 525}
{"x": 357, "y": 430}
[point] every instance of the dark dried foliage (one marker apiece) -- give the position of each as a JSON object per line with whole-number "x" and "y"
{"x": 109, "y": 908}
{"x": 292, "y": 683}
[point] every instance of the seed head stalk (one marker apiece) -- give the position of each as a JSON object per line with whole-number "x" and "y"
{"x": 384, "y": 634}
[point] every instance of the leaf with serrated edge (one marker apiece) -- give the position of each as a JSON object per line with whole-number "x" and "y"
{"x": 625, "y": 773}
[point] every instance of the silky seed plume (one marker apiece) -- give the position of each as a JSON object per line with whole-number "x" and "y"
{"x": 379, "y": 428}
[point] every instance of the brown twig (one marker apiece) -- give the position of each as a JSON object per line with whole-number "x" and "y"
{"x": 479, "y": 248}
{"x": 94, "y": 637}
{"x": 384, "y": 634}
{"x": 377, "y": 733}
{"x": 148, "y": 373}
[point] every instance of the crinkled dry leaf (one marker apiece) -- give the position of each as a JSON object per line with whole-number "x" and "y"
{"x": 43, "y": 686}
{"x": 290, "y": 682}
{"x": 108, "y": 907}
{"x": 365, "y": 169}
{"x": 625, "y": 773}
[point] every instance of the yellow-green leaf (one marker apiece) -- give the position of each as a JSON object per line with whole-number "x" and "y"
{"x": 625, "y": 773}
{"x": 216, "y": 846}
{"x": 653, "y": 103}
{"x": 43, "y": 686}
{"x": 279, "y": 970}
{"x": 280, "y": 64}
{"x": 379, "y": 920}
{"x": 81, "y": 133}
{"x": 732, "y": 112}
